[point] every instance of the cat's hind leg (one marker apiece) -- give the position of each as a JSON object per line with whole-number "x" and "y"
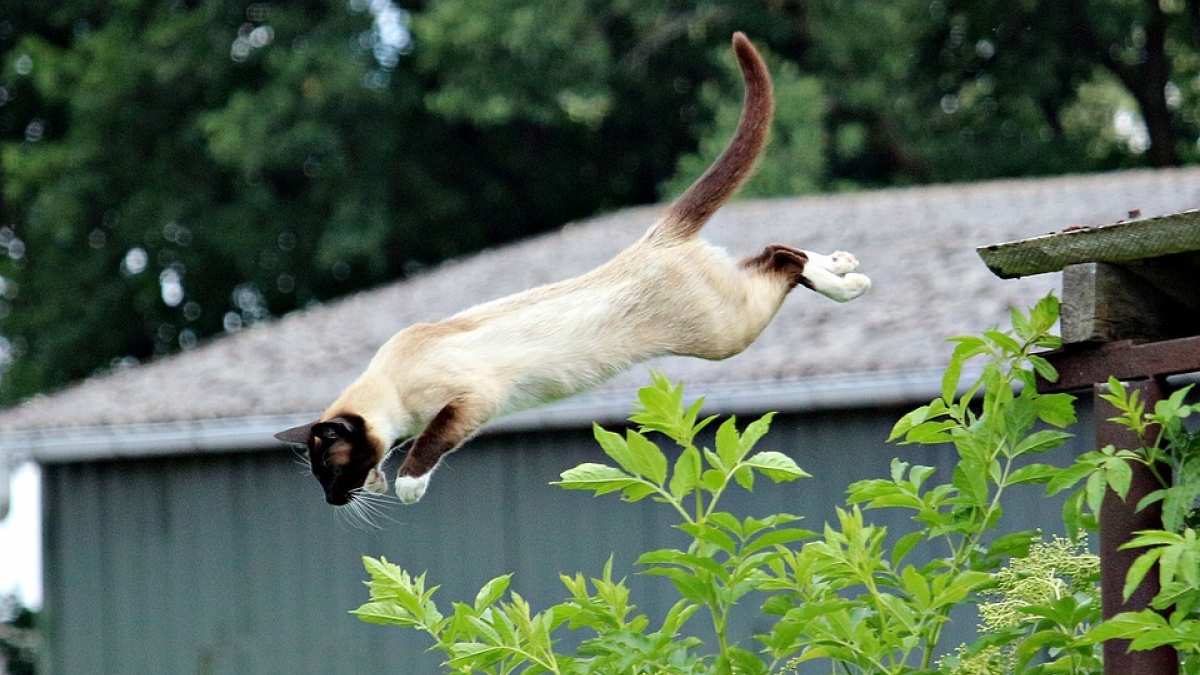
{"x": 834, "y": 277}
{"x": 838, "y": 262}
{"x": 830, "y": 275}
{"x": 782, "y": 260}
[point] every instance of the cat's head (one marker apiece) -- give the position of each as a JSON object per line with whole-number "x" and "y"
{"x": 341, "y": 453}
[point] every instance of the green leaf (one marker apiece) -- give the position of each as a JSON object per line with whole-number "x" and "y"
{"x": 599, "y": 478}
{"x": 729, "y": 444}
{"x": 491, "y": 592}
{"x": 1068, "y": 477}
{"x": 747, "y": 662}
{"x": 744, "y": 476}
{"x": 1041, "y": 441}
{"x": 776, "y": 466}
{"x": 1125, "y": 626}
{"x": 385, "y": 613}
{"x": 931, "y": 433}
{"x": 686, "y": 474}
{"x": 908, "y": 422}
{"x": 916, "y": 586}
{"x": 690, "y": 587}
{"x": 1004, "y": 341}
{"x": 713, "y": 535}
{"x": 1138, "y": 570}
{"x": 904, "y": 545}
{"x": 1057, "y": 410}
{"x": 1034, "y": 473}
{"x": 1118, "y": 474}
{"x": 951, "y": 377}
{"x": 646, "y": 459}
{"x": 1043, "y": 368}
{"x": 755, "y": 431}
{"x": 1095, "y": 489}
{"x": 1075, "y": 519}
{"x": 614, "y": 446}
{"x": 712, "y": 479}
{"x": 777, "y": 538}
{"x": 678, "y": 615}
{"x": 1013, "y": 545}
{"x": 1044, "y": 314}
{"x": 1021, "y": 325}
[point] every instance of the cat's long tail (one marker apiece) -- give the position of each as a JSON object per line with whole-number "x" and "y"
{"x": 692, "y": 209}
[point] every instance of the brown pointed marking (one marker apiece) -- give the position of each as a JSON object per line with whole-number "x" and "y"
{"x": 780, "y": 259}
{"x": 448, "y": 429}
{"x": 696, "y": 205}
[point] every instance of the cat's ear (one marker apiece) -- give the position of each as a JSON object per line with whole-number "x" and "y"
{"x": 298, "y": 435}
{"x": 344, "y": 425}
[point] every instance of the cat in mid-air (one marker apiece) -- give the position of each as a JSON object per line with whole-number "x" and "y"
{"x": 668, "y": 293}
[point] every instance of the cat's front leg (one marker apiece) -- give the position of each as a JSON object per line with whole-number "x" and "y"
{"x": 450, "y": 428}
{"x": 410, "y": 489}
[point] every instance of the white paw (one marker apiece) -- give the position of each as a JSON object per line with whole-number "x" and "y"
{"x": 410, "y": 489}
{"x": 376, "y": 482}
{"x": 841, "y": 262}
{"x": 853, "y": 285}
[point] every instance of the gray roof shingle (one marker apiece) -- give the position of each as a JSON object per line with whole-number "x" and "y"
{"x": 917, "y": 244}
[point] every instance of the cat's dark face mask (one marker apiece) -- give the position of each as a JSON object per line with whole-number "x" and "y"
{"x": 339, "y": 452}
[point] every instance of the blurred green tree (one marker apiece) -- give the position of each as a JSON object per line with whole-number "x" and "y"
{"x": 175, "y": 169}
{"x": 19, "y": 638}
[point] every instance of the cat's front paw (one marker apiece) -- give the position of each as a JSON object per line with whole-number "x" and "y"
{"x": 410, "y": 489}
{"x": 376, "y": 482}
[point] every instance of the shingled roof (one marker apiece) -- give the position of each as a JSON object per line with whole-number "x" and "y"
{"x": 917, "y": 244}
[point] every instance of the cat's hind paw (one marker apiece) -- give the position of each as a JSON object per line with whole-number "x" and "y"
{"x": 850, "y": 287}
{"x": 838, "y": 262}
{"x": 843, "y": 263}
{"x": 410, "y": 489}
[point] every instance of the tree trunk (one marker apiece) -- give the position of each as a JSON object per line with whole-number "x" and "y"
{"x": 1150, "y": 89}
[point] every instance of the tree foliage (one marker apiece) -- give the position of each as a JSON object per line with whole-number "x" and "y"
{"x": 175, "y": 169}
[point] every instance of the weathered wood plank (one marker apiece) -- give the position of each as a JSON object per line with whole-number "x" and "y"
{"x": 1081, "y": 366}
{"x": 1116, "y": 243}
{"x": 1103, "y": 302}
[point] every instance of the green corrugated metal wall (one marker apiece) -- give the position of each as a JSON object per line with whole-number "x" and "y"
{"x": 233, "y": 565}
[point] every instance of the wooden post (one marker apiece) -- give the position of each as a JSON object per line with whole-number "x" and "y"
{"x": 1119, "y": 520}
{"x": 1130, "y": 310}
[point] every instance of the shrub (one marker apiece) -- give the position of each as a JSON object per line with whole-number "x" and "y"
{"x": 849, "y": 596}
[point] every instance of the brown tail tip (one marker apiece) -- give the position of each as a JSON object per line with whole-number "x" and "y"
{"x": 718, "y": 183}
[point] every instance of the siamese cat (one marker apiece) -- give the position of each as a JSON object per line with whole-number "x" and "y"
{"x": 668, "y": 293}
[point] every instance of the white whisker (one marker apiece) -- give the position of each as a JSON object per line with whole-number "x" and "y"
{"x": 365, "y": 509}
{"x": 301, "y": 460}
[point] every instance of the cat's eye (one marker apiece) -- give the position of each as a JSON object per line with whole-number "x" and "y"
{"x": 329, "y": 434}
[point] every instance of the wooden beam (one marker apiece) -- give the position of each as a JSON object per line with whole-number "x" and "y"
{"x": 1122, "y": 242}
{"x": 1081, "y": 366}
{"x": 1105, "y": 302}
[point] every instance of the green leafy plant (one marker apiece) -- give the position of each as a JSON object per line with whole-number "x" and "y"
{"x": 848, "y": 599}
{"x": 853, "y": 597}
{"x": 1037, "y": 608}
{"x": 722, "y": 563}
{"x": 1172, "y": 453}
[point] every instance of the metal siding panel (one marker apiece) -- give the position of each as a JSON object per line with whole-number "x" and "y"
{"x": 233, "y": 564}
{"x": 50, "y": 659}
